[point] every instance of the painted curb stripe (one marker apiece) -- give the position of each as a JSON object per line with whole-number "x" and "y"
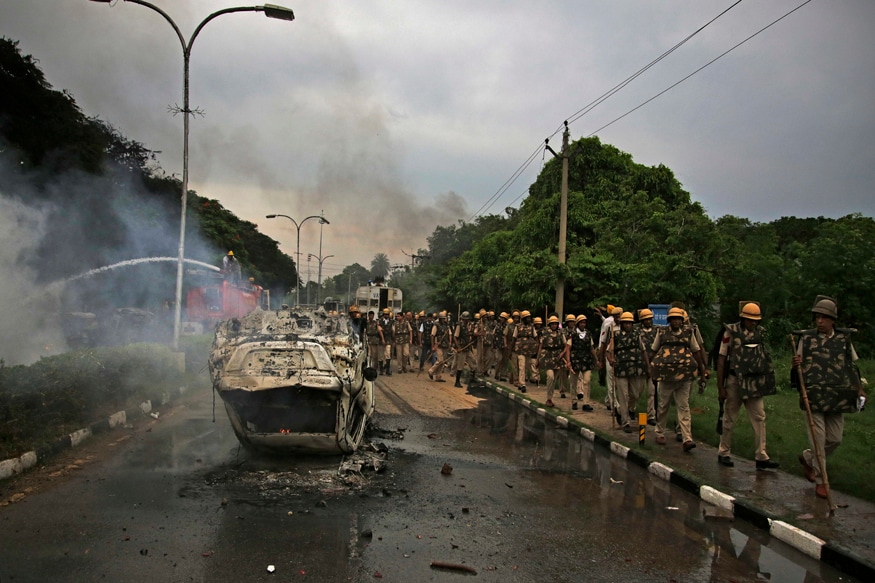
{"x": 800, "y": 540}
{"x": 797, "y": 538}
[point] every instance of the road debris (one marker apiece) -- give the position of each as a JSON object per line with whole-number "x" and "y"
{"x": 271, "y": 568}
{"x": 453, "y": 567}
{"x": 447, "y": 469}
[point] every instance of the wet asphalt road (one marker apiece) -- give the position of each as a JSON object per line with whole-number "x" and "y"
{"x": 180, "y": 501}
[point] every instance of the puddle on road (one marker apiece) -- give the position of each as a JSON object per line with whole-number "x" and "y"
{"x": 633, "y": 517}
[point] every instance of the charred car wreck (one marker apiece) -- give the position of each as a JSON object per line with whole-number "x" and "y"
{"x": 293, "y": 381}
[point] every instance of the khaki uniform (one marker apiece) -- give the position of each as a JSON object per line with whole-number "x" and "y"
{"x": 463, "y": 341}
{"x": 647, "y": 336}
{"x": 402, "y": 332}
{"x": 583, "y": 361}
{"x": 374, "y": 334}
{"x": 749, "y": 377}
{"x": 674, "y": 368}
{"x": 552, "y": 344}
{"x": 509, "y": 353}
{"x": 607, "y": 329}
{"x": 831, "y": 381}
{"x": 386, "y": 324}
{"x": 526, "y": 346}
{"x": 630, "y": 373}
{"x": 440, "y": 343}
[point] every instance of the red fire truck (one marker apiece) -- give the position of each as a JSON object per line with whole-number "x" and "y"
{"x": 219, "y": 300}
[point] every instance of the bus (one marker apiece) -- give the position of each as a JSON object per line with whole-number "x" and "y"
{"x": 377, "y": 297}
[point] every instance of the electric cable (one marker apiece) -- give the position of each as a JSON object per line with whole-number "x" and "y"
{"x": 715, "y": 59}
{"x": 589, "y": 107}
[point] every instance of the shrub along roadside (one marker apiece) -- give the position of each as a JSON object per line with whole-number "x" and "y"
{"x": 849, "y": 468}
{"x": 61, "y": 394}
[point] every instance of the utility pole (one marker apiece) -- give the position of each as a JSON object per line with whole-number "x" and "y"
{"x": 563, "y": 219}
{"x": 414, "y": 257}
{"x": 308, "y": 279}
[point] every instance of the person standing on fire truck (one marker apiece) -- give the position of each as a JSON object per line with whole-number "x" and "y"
{"x": 231, "y": 268}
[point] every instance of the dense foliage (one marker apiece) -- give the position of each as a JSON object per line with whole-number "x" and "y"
{"x": 635, "y": 237}
{"x": 106, "y": 192}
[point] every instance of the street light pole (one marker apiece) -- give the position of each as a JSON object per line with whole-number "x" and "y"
{"x": 322, "y": 221}
{"x": 270, "y": 11}
{"x": 319, "y": 276}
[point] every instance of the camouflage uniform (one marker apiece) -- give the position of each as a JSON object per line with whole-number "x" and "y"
{"x": 582, "y": 359}
{"x": 630, "y": 373}
{"x": 374, "y": 334}
{"x": 647, "y": 337}
{"x": 509, "y": 354}
{"x": 526, "y": 347}
{"x": 386, "y": 323}
{"x": 440, "y": 343}
{"x": 486, "y": 353}
{"x": 674, "y": 366}
{"x": 464, "y": 340}
{"x": 401, "y": 332}
{"x": 426, "y": 323}
{"x": 749, "y": 377}
{"x": 552, "y": 343}
{"x": 498, "y": 355}
{"x": 831, "y": 380}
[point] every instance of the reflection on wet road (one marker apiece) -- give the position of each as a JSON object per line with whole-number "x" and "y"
{"x": 524, "y": 501}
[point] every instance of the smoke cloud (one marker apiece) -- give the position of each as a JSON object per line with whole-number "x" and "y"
{"x": 53, "y": 229}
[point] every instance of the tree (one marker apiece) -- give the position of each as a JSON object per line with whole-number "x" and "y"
{"x": 380, "y": 265}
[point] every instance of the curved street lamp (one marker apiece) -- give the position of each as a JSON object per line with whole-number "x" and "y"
{"x": 322, "y": 221}
{"x": 271, "y": 11}
{"x": 319, "y": 277}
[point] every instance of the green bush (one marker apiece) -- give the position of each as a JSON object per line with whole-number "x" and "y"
{"x": 63, "y": 393}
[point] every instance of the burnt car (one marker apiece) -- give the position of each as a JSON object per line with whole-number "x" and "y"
{"x": 293, "y": 381}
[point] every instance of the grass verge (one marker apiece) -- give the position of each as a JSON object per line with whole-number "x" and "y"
{"x": 850, "y": 469}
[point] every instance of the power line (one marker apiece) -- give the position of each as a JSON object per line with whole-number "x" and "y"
{"x": 592, "y": 105}
{"x": 718, "y": 57}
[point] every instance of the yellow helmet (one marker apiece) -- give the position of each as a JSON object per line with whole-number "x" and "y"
{"x": 482, "y": 311}
{"x": 569, "y": 318}
{"x": 230, "y": 253}
{"x": 515, "y": 313}
{"x": 616, "y": 311}
{"x": 525, "y": 314}
{"x": 677, "y": 313}
{"x": 537, "y": 320}
{"x": 510, "y": 320}
{"x": 503, "y": 315}
{"x": 387, "y": 311}
{"x": 353, "y": 309}
{"x": 477, "y": 315}
{"x": 442, "y": 314}
{"x": 751, "y": 311}
{"x": 552, "y": 320}
{"x": 627, "y": 317}
{"x": 421, "y": 313}
{"x": 580, "y": 318}
{"x": 644, "y": 314}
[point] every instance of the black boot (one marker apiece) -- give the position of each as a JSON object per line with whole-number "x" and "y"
{"x": 388, "y": 368}
{"x": 458, "y": 378}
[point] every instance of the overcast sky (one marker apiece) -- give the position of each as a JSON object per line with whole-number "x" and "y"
{"x": 394, "y": 117}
